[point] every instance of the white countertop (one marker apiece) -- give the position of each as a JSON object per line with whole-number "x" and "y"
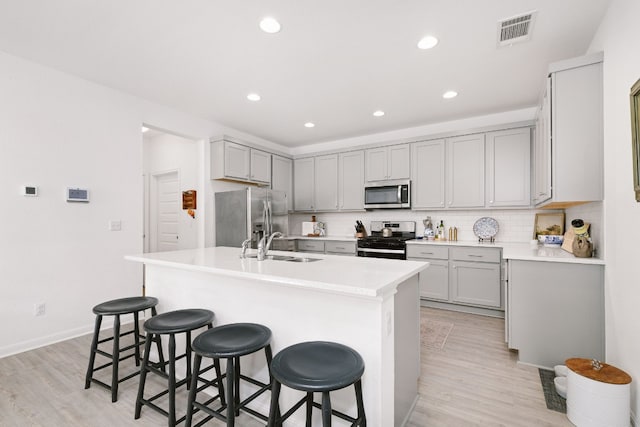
{"x": 519, "y": 251}
{"x": 358, "y": 276}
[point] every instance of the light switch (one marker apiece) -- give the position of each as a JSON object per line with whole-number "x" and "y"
{"x": 115, "y": 225}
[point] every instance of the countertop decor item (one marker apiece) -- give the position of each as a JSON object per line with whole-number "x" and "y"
{"x": 486, "y": 228}
{"x": 551, "y": 239}
{"x": 548, "y": 223}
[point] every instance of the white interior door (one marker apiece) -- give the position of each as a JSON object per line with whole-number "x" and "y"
{"x": 165, "y": 209}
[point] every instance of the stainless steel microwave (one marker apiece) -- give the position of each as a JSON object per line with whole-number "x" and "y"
{"x": 387, "y": 194}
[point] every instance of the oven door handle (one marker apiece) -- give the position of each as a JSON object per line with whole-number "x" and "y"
{"x": 382, "y": 251}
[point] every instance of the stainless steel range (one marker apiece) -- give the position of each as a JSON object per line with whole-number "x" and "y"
{"x": 387, "y": 239}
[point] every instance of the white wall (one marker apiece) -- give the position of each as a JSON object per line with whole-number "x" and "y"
{"x": 57, "y": 130}
{"x": 618, "y": 38}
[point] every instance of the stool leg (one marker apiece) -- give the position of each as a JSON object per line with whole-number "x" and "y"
{"x": 326, "y": 409}
{"x": 172, "y": 380}
{"x": 236, "y": 385}
{"x": 159, "y": 345}
{"x": 143, "y": 373}
{"x": 115, "y": 358}
{"x": 269, "y": 357}
{"x": 216, "y": 366}
{"x": 92, "y": 354}
{"x": 193, "y": 390}
{"x": 309, "y": 409}
{"x": 136, "y": 335}
{"x": 274, "y": 410}
{"x": 361, "y": 416}
{"x": 231, "y": 410}
{"x": 188, "y": 357}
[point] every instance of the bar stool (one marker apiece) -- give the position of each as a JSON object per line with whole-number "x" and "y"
{"x": 317, "y": 366}
{"x": 118, "y": 307}
{"x": 228, "y": 342}
{"x": 170, "y": 323}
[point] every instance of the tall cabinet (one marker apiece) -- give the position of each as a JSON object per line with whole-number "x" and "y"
{"x": 570, "y": 141}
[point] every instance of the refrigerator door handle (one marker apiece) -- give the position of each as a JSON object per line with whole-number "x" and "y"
{"x": 269, "y": 217}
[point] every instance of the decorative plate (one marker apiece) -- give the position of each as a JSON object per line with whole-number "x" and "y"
{"x": 486, "y": 228}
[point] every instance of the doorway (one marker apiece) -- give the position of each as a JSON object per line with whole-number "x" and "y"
{"x": 170, "y": 166}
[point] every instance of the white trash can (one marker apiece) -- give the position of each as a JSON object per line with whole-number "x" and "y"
{"x": 597, "y": 398}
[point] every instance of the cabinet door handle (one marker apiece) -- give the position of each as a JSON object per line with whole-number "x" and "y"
{"x": 340, "y": 247}
{"x": 475, "y": 256}
{"x": 426, "y": 253}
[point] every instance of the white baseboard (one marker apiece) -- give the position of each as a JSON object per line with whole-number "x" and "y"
{"x": 20, "y": 347}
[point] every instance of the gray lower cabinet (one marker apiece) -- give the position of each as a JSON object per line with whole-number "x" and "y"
{"x": 434, "y": 281}
{"x": 331, "y": 247}
{"x": 555, "y": 311}
{"x": 460, "y": 276}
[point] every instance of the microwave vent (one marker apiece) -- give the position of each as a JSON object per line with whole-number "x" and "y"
{"x": 516, "y": 29}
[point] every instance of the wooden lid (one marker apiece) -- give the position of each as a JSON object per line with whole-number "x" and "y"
{"x": 607, "y": 374}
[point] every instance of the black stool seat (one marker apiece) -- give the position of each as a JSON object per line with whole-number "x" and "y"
{"x": 317, "y": 366}
{"x": 174, "y": 322}
{"x": 228, "y": 342}
{"x": 232, "y": 340}
{"x": 116, "y": 308}
{"x": 170, "y": 323}
{"x": 125, "y": 305}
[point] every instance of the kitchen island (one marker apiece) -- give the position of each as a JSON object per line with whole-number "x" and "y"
{"x": 369, "y": 304}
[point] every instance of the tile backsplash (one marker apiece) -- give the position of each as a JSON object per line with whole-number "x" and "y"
{"x": 515, "y": 225}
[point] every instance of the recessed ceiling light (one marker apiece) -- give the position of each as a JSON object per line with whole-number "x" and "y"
{"x": 309, "y": 125}
{"x": 144, "y": 129}
{"x": 270, "y": 25}
{"x": 427, "y": 42}
{"x": 450, "y": 94}
{"x": 253, "y": 97}
{"x": 378, "y": 113}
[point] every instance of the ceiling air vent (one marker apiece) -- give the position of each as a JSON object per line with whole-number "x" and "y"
{"x": 515, "y": 29}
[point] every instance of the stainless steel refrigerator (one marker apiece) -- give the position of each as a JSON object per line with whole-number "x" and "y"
{"x": 249, "y": 214}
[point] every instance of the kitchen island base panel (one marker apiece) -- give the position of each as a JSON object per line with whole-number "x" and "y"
{"x": 366, "y": 324}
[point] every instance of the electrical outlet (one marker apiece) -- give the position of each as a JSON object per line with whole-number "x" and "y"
{"x": 39, "y": 309}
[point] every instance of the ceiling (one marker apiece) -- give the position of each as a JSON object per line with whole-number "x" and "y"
{"x": 333, "y": 63}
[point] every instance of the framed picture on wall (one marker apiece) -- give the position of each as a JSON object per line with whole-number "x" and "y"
{"x": 548, "y": 224}
{"x": 635, "y": 136}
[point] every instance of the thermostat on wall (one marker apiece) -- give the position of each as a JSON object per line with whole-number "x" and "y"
{"x": 77, "y": 194}
{"x": 30, "y": 190}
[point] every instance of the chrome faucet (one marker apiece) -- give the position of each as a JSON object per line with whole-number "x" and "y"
{"x": 245, "y": 245}
{"x": 265, "y": 244}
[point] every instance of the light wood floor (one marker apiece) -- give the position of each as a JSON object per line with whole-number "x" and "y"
{"x": 472, "y": 381}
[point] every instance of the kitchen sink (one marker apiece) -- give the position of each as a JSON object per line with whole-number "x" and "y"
{"x": 285, "y": 258}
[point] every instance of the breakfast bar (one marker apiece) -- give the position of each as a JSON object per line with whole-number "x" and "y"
{"x": 370, "y": 305}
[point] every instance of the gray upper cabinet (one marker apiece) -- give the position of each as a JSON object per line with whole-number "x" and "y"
{"x": 260, "y": 166}
{"x": 238, "y": 162}
{"x": 427, "y": 174}
{"x": 508, "y": 173}
{"x": 576, "y": 133}
{"x": 326, "y": 183}
{"x": 351, "y": 180}
{"x": 465, "y": 171}
{"x": 282, "y": 177}
{"x": 303, "y": 184}
{"x": 391, "y": 162}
